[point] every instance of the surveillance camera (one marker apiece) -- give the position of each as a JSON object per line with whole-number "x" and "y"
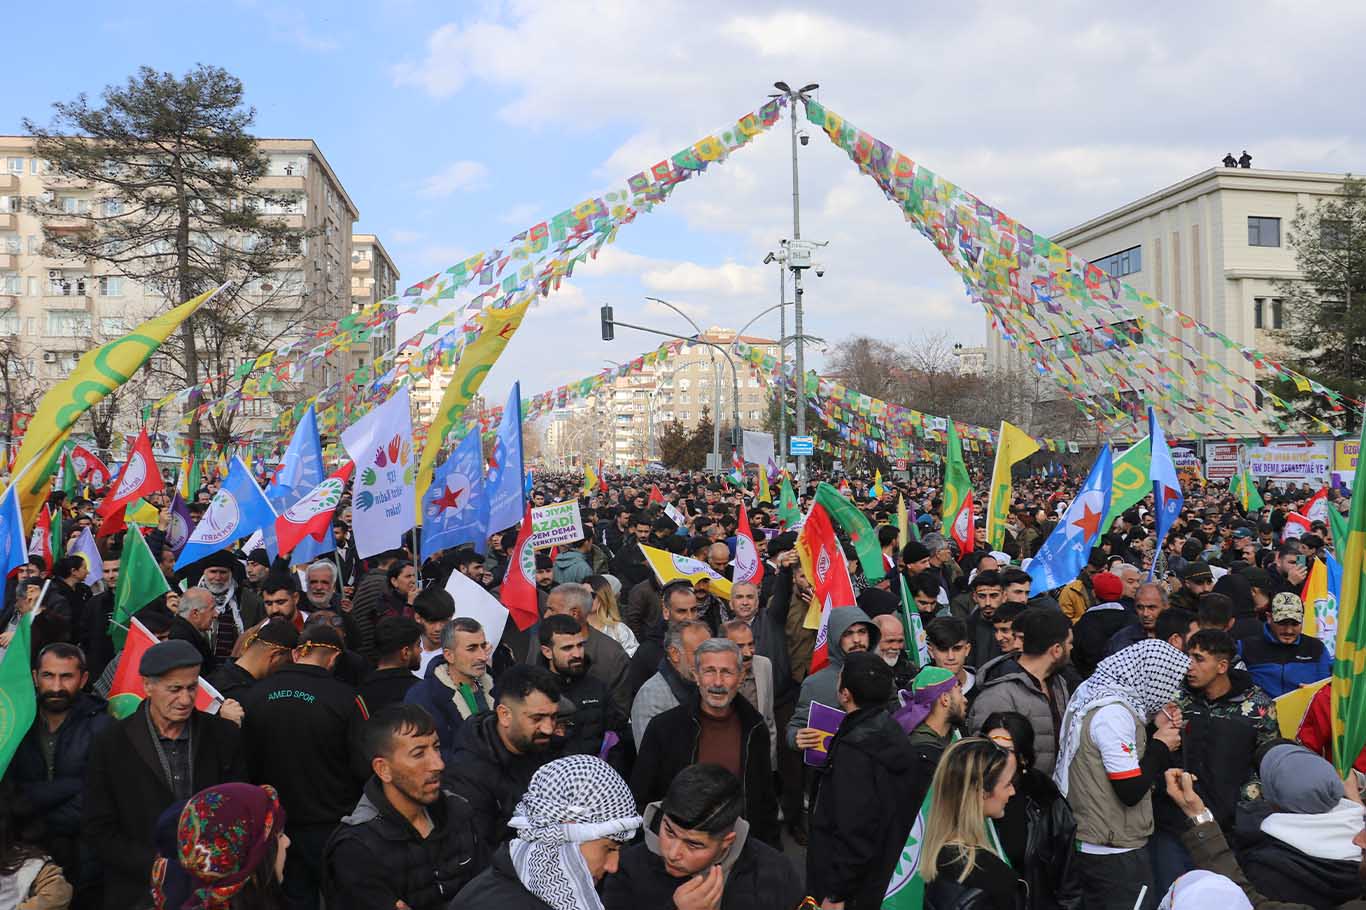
{"x": 803, "y": 137}
{"x": 820, "y": 271}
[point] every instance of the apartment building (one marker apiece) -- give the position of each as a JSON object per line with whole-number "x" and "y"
{"x": 1214, "y": 247}
{"x": 374, "y": 277}
{"x": 53, "y": 309}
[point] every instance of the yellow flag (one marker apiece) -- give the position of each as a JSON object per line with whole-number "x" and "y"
{"x": 765, "y": 495}
{"x": 903, "y": 523}
{"x": 671, "y": 567}
{"x": 476, "y": 361}
{"x": 1013, "y": 444}
{"x": 98, "y": 373}
{"x": 590, "y": 480}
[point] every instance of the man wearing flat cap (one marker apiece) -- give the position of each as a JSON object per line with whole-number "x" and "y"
{"x": 164, "y": 751}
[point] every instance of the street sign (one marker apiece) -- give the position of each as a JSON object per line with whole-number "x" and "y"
{"x": 901, "y": 464}
{"x": 801, "y": 445}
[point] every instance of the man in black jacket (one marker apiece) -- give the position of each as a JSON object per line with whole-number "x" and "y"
{"x": 715, "y": 727}
{"x": 864, "y": 798}
{"x": 398, "y": 643}
{"x": 269, "y": 649}
{"x": 562, "y": 647}
{"x": 679, "y": 603}
{"x": 498, "y": 752}
{"x": 607, "y": 660}
{"x": 698, "y": 852}
{"x": 49, "y": 766}
{"x": 194, "y": 618}
{"x": 163, "y": 752}
{"x": 299, "y": 735}
{"x": 408, "y": 842}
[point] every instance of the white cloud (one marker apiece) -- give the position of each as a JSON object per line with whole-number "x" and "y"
{"x": 727, "y": 280}
{"x": 456, "y": 177}
{"x": 1055, "y": 114}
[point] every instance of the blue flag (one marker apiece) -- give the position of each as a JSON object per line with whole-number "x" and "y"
{"x": 454, "y": 508}
{"x": 504, "y": 483}
{"x": 300, "y": 471}
{"x": 1167, "y": 498}
{"x": 238, "y": 510}
{"x": 1064, "y": 553}
{"x": 13, "y": 543}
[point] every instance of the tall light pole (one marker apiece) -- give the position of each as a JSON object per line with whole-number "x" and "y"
{"x": 780, "y": 257}
{"x": 793, "y": 97}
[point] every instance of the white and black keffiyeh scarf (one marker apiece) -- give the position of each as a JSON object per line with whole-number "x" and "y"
{"x": 571, "y": 801}
{"x": 1145, "y": 676}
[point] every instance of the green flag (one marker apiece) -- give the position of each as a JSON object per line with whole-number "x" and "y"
{"x": 140, "y": 582}
{"x": 1337, "y": 526}
{"x": 18, "y": 703}
{"x": 957, "y": 510}
{"x": 854, "y": 523}
{"x": 789, "y": 513}
{"x": 906, "y": 890}
{"x": 68, "y": 478}
{"x": 912, "y": 627}
{"x": 1349, "y": 661}
{"x": 54, "y": 534}
{"x": 1132, "y": 481}
{"x": 1245, "y": 489}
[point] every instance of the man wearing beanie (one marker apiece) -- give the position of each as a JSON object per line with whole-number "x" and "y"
{"x": 1296, "y": 843}
{"x": 165, "y": 751}
{"x": 1092, "y": 632}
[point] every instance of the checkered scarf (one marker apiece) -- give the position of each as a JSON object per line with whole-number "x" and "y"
{"x": 1145, "y": 676}
{"x": 571, "y": 801}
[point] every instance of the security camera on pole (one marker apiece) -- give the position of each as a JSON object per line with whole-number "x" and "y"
{"x": 799, "y": 254}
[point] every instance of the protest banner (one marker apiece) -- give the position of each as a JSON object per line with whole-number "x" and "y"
{"x": 556, "y": 523}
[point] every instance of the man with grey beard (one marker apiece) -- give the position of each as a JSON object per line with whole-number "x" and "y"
{"x": 238, "y": 608}
{"x": 716, "y": 727}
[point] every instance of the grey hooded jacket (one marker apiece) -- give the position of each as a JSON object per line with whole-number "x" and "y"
{"x": 822, "y": 685}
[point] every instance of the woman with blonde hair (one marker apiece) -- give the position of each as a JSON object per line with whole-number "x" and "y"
{"x": 606, "y": 614}
{"x": 961, "y": 859}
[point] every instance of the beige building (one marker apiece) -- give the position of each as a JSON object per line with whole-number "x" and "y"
{"x": 1212, "y": 246}
{"x": 622, "y": 424}
{"x": 52, "y": 310}
{"x": 374, "y": 277}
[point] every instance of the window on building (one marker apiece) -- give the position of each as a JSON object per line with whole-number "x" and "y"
{"x": 11, "y": 204}
{"x": 68, "y": 323}
{"x": 111, "y": 286}
{"x": 1268, "y": 313}
{"x": 11, "y": 283}
{"x": 35, "y": 243}
{"x": 1263, "y": 231}
{"x": 15, "y": 165}
{"x": 1125, "y": 262}
{"x": 113, "y": 207}
{"x": 112, "y": 326}
{"x": 10, "y": 243}
{"x": 9, "y": 323}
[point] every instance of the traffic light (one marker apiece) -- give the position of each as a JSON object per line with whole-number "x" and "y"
{"x": 608, "y": 329}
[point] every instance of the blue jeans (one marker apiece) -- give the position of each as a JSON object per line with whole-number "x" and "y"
{"x": 1170, "y": 860}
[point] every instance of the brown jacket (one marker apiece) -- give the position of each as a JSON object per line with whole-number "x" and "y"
{"x": 1209, "y": 850}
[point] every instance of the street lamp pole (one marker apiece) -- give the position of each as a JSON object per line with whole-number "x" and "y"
{"x": 793, "y": 97}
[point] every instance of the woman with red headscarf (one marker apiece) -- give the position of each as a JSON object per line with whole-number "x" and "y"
{"x": 223, "y": 849}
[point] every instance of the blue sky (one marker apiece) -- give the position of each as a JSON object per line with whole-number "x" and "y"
{"x": 455, "y": 125}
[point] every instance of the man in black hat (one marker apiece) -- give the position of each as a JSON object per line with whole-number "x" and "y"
{"x": 1196, "y": 580}
{"x": 237, "y": 607}
{"x": 258, "y": 567}
{"x": 164, "y": 751}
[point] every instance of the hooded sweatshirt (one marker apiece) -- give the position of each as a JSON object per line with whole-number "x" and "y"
{"x": 571, "y": 566}
{"x": 822, "y": 685}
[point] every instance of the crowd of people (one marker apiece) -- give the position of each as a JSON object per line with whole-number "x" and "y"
{"x": 646, "y": 744}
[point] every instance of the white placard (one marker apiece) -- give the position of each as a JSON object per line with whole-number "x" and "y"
{"x": 556, "y": 523}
